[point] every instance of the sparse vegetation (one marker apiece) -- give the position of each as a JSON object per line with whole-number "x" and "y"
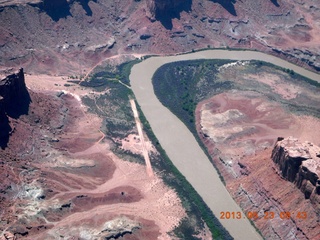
{"x": 118, "y": 122}
{"x": 193, "y": 203}
{"x": 180, "y": 86}
{"x": 102, "y": 76}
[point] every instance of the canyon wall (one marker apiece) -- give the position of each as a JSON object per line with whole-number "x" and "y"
{"x": 74, "y": 35}
{"x": 300, "y": 163}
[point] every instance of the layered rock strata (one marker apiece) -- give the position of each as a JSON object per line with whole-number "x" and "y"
{"x": 300, "y": 163}
{"x": 70, "y": 32}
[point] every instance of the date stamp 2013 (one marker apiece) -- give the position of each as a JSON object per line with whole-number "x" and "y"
{"x": 265, "y": 215}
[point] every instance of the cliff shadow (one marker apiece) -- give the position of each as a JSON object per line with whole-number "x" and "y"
{"x": 275, "y": 2}
{"x": 5, "y": 130}
{"x": 86, "y": 7}
{"x": 228, "y": 5}
{"x": 16, "y": 106}
{"x": 55, "y": 9}
{"x": 19, "y": 107}
{"x": 166, "y": 15}
{"x": 15, "y": 98}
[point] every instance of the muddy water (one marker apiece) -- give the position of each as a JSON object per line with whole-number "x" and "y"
{"x": 180, "y": 144}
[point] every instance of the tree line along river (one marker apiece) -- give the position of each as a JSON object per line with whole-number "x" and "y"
{"x": 182, "y": 147}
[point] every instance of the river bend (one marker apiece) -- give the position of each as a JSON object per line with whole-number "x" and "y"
{"x": 179, "y": 143}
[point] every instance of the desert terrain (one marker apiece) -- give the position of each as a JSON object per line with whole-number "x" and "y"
{"x": 78, "y": 159}
{"x": 241, "y": 148}
{"x": 70, "y": 36}
{"x": 241, "y": 109}
{"x": 60, "y": 178}
{"x": 239, "y": 129}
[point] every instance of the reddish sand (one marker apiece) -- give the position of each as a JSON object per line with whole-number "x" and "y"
{"x": 67, "y": 182}
{"x": 239, "y": 130}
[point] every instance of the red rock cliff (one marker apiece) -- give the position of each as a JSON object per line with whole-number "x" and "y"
{"x": 300, "y": 163}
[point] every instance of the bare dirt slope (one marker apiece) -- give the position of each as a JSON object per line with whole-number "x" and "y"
{"x": 60, "y": 178}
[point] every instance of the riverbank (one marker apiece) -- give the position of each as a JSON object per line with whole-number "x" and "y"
{"x": 179, "y": 143}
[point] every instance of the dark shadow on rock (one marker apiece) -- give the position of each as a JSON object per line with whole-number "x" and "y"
{"x": 14, "y": 102}
{"x": 56, "y": 9}
{"x": 171, "y": 11}
{"x": 275, "y": 2}
{"x": 20, "y": 107}
{"x": 85, "y": 6}
{"x": 228, "y": 5}
{"x": 5, "y": 130}
{"x": 17, "y": 98}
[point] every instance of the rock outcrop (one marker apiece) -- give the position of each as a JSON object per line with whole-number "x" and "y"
{"x": 14, "y": 101}
{"x": 61, "y": 45}
{"x": 306, "y": 56}
{"x": 300, "y": 163}
{"x": 119, "y": 227}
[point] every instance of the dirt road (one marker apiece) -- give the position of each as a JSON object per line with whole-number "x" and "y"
{"x": 144, "y": 148}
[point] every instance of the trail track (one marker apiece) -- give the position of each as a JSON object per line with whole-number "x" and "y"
{"x": 144, "y": 148}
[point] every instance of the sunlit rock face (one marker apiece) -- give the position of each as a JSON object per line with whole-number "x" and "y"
{"x": 300, "y": 163}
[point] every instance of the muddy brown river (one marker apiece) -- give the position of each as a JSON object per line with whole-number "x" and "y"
{"x": 181, "y": 146}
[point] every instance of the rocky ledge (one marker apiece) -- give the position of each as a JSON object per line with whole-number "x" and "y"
{"x": 119, "y": 227}
{"x": 300, "y": 163}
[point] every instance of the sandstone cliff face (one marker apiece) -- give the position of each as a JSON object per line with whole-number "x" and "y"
{"x": 300, "y": 163}
{"x": 14, "y": 101}
{"x": 68, "y": 31}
